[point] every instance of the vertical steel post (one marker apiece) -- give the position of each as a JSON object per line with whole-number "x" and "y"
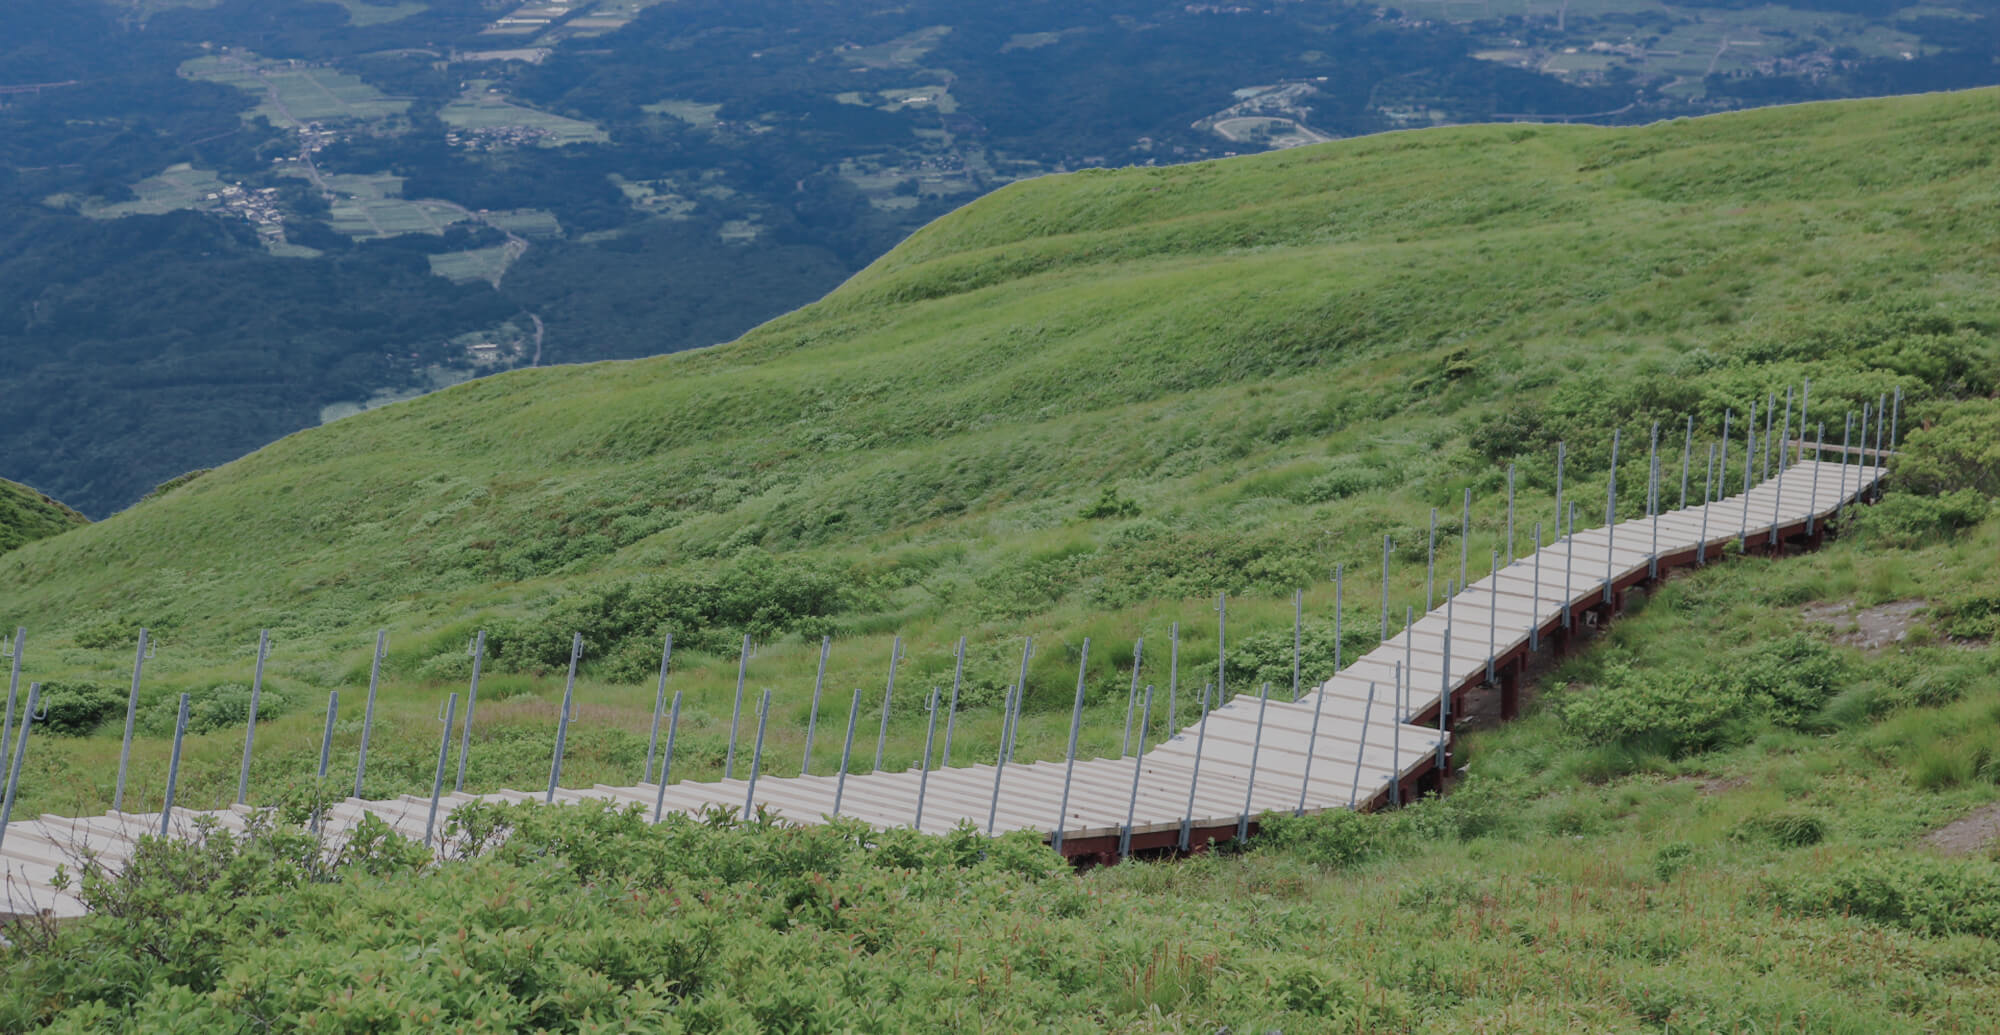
{"x": 1221, "y": 645}
{"x": 1708, "y": 479}
{"x": 1895, "y": 415}
{"x": 924, "y": 772}
{"x": 1339, "y": 606}
{"x": 1000, "y": 762}
{"x": 1430, "y": 565}
{"x": 736, "y": 709}
{"x": 1493, "y": 618}
{"x": 1138, "y": 770}
{"x": 1409, "y": 658}
{"x": 13, "y": 691}
{"x": 1569, "y": 570}
{"x": 1687, "y": 455}
{"x": 667, "y": 760}
{"x": 174, "y": 766}
{"x": 757, "y": 754}
{"x": 1132, "y": 696}
{"x": 1194, "y": 777}
{"x": 1749, "y": 468}
{"x": 1312, "y": 744}
{"x": 1611, "y": 516}
{"x": 888, "y": 691}
{"x": 1771, "y": 416}
{"x": 13, "y": 772}
{"x": 1535, "y": 631}
{"x": 368, "y": 712}
{"x": 250, "y": 725}
{"x": 1819, "y": 449}
{"x": 131, "y": 712}
{"x": 562, "y": 717}
{"x": 1785, "y": 431}
{"x": 1444, "y": 696}
{"x": 1396, "y": 745}
{"x": 847, "y": 751}
{"x": 812, "y": 717}
{"x": 1385, "y": 587}
{"x": 1298, "y": 624}
{"x": 1805, "y": 401}
{"x": 1173, "y": 679}
{"x": 1881, "y": 408}
{"x": 444, "y": 756}
{"x": 1020, "y": 695}
{"x": 1510, "y": 514}
{"x": 326, "y": 738}
{"x": 1069, "y": 766}
{"x": 659, "y": 706}
{"x": 1778, "y": 494}
{"x": 1465, "y": 539}
{"x": 1722, "y": 472}
{"x": 1559, "y": 487}
{"x": 951, "y": 709}
{"x": 1846, "y": 458}
{"x": 1256, "y": 748}
{"x": 1361, "y": 749}
{"x": 325, "y": 753}
{"x": 478, "y": 652}
{"x": 1653, "y": 501}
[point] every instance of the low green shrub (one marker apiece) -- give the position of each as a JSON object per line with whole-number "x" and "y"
{"x": 1970, "y": 616}
{"x": 1907, "y": 520}
{"x": 1680, "y": 713}
{"x": 710, "y": 610}
{"x": 1334, "y": 839}
{"x": 1959, "y": 450}
{"x": 1917, "y": 893}
{"x": 1783, "y": 829}
{"x": 213, "y": 707}
{"x": 77, "y": 708}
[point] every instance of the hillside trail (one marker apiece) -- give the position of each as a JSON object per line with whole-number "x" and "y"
{"x": 1377, "y": 733}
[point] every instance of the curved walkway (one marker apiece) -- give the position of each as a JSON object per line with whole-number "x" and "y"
{"x": 1368, "y": 736}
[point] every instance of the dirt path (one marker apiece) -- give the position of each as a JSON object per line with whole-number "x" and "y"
{"x": 1969, "y": 834}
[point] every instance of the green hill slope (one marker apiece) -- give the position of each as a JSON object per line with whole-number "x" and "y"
{"x": 27, "y": 515}
{"x": 1083, "y": 405}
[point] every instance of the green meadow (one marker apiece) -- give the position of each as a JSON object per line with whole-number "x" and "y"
{"x": 1084, "y": 407}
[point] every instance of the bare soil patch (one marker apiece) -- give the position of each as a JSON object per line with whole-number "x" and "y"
{"x": 1870, "y": 628}
{"x": 1968, "y": 834}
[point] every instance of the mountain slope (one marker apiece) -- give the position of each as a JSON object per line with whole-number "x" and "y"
{"x": 1002, "y": 354}
{"x": 1080, "y": 407}
{"x": 27, "y": 515}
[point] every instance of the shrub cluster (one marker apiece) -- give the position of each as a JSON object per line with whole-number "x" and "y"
{"x": 622, "y": 622}
{"x": 1927, "y": 895}
{"x": 590, "y": 918}
{"x": 1680, "y": 713}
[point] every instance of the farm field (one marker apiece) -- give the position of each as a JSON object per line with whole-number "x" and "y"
{"x": 477, "y": 264}
{"x": 361, "y": 12}
{"x": 178, "y": 187}
{"x": 480, "y": 112}
{"x": 293, "y": 93}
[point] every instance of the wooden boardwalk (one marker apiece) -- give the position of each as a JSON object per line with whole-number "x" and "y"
{"x": 1378, "y": 737}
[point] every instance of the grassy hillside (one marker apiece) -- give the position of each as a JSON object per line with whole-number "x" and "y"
{"x": 1081, "y": 406}
{"x": 27, "y": 515}
{"x": 1777, "y": 878}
